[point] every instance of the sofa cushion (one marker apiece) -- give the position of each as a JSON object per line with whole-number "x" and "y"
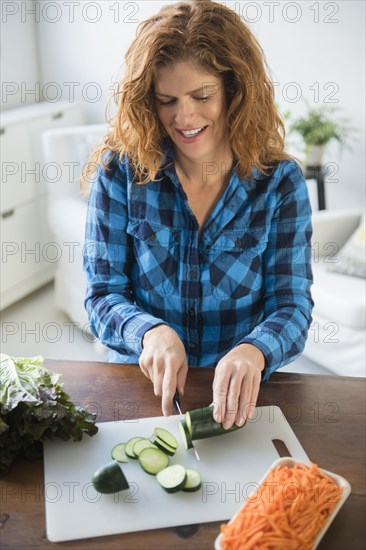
{"x": 338, "y": 348}
{"x": 338, "y": 297}
{"x": 352, "y": 257}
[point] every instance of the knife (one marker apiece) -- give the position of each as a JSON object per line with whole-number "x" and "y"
{"x": 176, "y": 403}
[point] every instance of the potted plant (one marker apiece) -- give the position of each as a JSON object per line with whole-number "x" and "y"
{"x": 317, "y": 128}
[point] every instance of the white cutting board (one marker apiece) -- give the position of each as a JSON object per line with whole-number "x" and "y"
{"x": 231, "y": 465}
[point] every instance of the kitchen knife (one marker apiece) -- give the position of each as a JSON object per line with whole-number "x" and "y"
{"x": 176, "y": 402}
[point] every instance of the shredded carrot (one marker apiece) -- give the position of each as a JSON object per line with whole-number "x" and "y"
{"x": 286, "y": 512}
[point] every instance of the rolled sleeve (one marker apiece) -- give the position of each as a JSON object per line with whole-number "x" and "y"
{"x": 282, "y": 334}
{"x": 114, "y": 316}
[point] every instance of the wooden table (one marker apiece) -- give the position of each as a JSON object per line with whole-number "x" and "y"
{"x": 327, "y": 413}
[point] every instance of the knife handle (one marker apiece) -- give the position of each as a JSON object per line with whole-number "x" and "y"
{"x": 176, "y": 399}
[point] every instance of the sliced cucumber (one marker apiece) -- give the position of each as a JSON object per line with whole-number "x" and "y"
{"x": 193, "y": 482}
{"x": 109, "y": 479}
{"x": 201, "y": 424}
{"x": 166, "y": 437}
{"x": 129, "y": 446}
{"x": 189, "y": 422}
{"x": 185, "y": 435}
{"x": 172, "y": 478}
{"x": 163, "y": 446}
{"x": 153, "y": 460}
{"x": 119, "y": 453}
{"x": 142, "y": 444}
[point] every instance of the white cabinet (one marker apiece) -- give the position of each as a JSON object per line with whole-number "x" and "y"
{"x": 28, "y": 254}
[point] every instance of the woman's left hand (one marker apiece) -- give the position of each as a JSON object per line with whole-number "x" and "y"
{"x": 236, "y": 385}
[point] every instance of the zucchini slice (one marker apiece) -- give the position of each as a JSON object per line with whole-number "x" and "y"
{"x": 119, "y": 453}
{"x": 109, "y": 479}
{"x": 201, "y": 424}
{"x": 166, "y": 437}
{"x": 193, "y": 482}
{"x": 129, "y": 446}
{"x": 185, "y": 435}
{"x": 172, "y": 478}
{"x": 163, "y": 446}
{"x": 142, "y": 444}
{"x": 153, "y": 460}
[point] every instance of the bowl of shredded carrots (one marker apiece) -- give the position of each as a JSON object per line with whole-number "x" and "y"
{"x": 290, "y": 509}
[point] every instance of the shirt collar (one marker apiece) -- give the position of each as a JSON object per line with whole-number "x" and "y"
{"x": 168, "y": 167}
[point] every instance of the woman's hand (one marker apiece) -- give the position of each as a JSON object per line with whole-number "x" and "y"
{"x": 164, "y": 361}
{"x": 236, "y": 385}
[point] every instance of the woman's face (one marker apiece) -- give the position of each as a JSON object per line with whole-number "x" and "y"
{"x": 191, "y": 105}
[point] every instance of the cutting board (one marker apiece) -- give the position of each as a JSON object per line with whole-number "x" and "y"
{"x": 231, "y": 466}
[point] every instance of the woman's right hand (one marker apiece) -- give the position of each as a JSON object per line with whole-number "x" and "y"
{"x": 164, "y": 361}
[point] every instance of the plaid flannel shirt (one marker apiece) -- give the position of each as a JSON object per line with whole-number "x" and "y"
{"x": 246, "y": 278}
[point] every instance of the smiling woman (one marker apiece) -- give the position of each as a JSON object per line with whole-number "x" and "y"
{"x": 198, "y": 229}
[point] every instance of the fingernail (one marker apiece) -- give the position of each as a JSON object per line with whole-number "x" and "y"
{"x": 227, "y": 424}
{"x": 240, "y": 422}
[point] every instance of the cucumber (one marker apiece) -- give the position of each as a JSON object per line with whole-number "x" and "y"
{"x": 129, "y": 446}
{"x": 153, "y": 460}
{"x": 119, "y": 453}
{"x": 193, "y": 481}
{"x": 166, "y": 437}
{"x": 109, "y": 479}
{"x": 142, "y": 444}
{"x": 172, "y": 478}
{"x": 201, "y": 424}
{"x": 163, "y": 446}
{"x": 185, "y": 435}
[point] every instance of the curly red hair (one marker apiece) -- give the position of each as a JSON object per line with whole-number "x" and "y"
{"x": 216, "y": 39}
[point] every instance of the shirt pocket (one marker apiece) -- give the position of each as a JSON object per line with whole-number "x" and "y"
{"x": 235, "y": 262}
{"x": 155, "y": 251}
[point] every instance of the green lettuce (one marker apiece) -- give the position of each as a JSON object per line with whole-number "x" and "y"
{"x": 34, "y": 409}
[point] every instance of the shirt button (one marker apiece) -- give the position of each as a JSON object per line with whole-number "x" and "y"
{"x": 192, "y": 313}
{"x": 238, "y": 242}
{"x": 153, "y": 237}
{"x": 191, "y": 274}
{"x": 192, "y": 345}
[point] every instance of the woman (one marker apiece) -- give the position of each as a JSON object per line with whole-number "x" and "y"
{"x": 198, "y": 232}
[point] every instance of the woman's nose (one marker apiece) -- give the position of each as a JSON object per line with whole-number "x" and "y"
{"x": 185, "y": 110}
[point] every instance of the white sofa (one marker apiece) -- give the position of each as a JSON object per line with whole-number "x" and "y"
{"x": 69, "y": 148}
{"x": 336, "y": 339}
{"x": 337, "y": 336}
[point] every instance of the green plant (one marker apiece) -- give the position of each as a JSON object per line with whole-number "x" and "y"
{"x": 319, "y": 126}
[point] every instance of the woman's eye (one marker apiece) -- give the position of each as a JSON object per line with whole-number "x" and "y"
{"x": 203, "y": 99}
{"x": 166, "y": 102}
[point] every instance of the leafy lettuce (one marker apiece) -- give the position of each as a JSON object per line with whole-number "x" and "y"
{"x": 34, "y": 408}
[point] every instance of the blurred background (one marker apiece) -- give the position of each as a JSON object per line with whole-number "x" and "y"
{"x": 60, "y": 62}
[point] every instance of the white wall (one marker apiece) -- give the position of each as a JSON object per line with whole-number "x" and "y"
{"x": 90, "y": 54}
{"x": 19, "y": 57}
{"x": 318, "y": 46}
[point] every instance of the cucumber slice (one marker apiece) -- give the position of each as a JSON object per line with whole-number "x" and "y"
{"x": 189, "y": 422}
{"x": 142, "y": 444}
{"x": 185, "y": 435}
{"x": 203, "y": 424}
{"x": 193, "y": 482}
{"x": 172, "y": 478}
{"x": 166, "y": 437}
{"x": 153, "y": 460}
{"x": 119, "y": 453}
{"x": 109, "y": 479}
{"x": 163, "y": 446}
{"x": 129, "y": 446}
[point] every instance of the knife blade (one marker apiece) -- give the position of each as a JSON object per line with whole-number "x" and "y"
{"x": 176, "y": 402}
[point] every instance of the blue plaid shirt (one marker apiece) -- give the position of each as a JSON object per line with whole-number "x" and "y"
{"x": 246, "y": 278}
